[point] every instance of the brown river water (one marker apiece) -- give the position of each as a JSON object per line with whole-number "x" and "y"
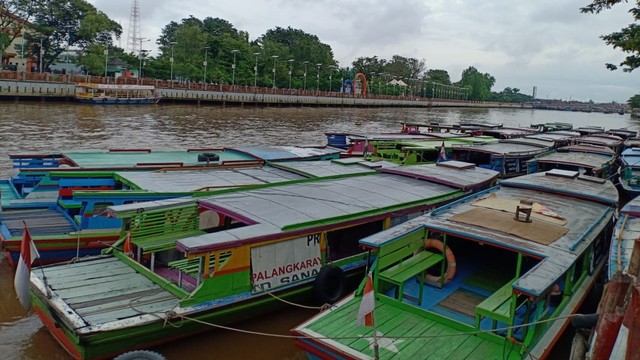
{"x": 50, "y": 127}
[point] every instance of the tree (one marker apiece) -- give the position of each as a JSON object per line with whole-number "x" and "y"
{"x": 69, "y": 23}
{"x": 634, "y": 102}
{"x": 626, "y": 39}
{"x": 438, "y": 76}
{"x": 479, "y": 84}
{"x": 14, "y": 16}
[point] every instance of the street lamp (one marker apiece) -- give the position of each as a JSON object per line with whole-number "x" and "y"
{"x": 305, "y": 74}
{"x": 233, "y": 69}
{"x": 171, "y": 60}
{"x": 41, "y": 53}
{"x": 290, "y": 71}
{"x": 275, "y": 58}
{"x": 331, "y": 69}
{"x": 255, "y": 70}
{"x": 141, "y": 55}
{"x": 204, "y": 76}
{"x": 318, "y": 77}
{"x": 106, "y": 60}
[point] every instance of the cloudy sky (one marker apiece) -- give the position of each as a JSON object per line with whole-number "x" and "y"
{"x": 544, "y": 43}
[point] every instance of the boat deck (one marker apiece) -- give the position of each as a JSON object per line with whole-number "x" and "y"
{"x": 102, "y": 289}
{"x": 41, "y": 222}
{"x": 401, "y": 335}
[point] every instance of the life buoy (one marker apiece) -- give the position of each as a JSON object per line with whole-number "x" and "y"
{"x": 329, "y": 285}
{"x": 451, "y": 262}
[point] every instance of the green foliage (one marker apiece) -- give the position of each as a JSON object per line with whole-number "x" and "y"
{"x": 634, "y": 102}
{"x": 70, "y": 23}
{"x": 478, "y": 84}
{"x": 626, "y": 39}
{"x": 510, "y": 95}
{"x": 438, "y": 76}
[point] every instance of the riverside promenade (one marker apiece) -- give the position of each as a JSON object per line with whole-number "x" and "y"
{"x": 20, "y": 86}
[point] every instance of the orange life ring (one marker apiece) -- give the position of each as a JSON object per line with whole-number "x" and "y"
{"x": 451, "y": 261}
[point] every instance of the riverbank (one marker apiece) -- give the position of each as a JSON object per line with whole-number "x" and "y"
{"x": 52, "y": 87}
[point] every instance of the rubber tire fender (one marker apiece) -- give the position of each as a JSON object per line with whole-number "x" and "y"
{"x": 140, "y": 355}
{"x": 330, "y": 284}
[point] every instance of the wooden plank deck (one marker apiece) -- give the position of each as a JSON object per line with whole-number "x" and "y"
{"x": 104, "y": 289}
{"x": 402, "y": 335}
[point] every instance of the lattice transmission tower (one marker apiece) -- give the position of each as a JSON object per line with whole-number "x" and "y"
{"x": 133, "y": 37}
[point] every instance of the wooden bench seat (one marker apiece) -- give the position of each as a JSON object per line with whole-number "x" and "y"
{"x": 151, "y": 244}
{"x": 497, "y": 307}
{"x": 404, "y": 270}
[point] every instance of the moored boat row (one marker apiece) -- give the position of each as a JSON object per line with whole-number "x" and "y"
{"x": 192, "y": 253}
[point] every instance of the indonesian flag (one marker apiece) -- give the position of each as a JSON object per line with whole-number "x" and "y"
{"x": 21, "y": 281}
{"x": 442, "y": 155}
{"x": 365, "y": 313}
{"x": 128, "y": 248}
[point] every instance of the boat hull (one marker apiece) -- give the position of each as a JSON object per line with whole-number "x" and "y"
{"x": 108, "y": 343}
{"x": 114, "y": 101}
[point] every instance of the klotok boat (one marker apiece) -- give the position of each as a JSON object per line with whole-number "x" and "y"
{"x": 495, "y": 275}
{"x": 220, "y": 258}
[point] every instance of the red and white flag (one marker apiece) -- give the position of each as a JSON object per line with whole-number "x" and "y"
{"x": 128, "y": 248}
{"x": 442, "y": 155}
{"x": 368, "y": 303}
{"x": 22, "y": 281}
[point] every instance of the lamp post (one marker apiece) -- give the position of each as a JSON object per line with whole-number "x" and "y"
{"x": 255, "y": 70}
{"x": 106, "y": 60}
{"x": 290, "y": 71}
{"x": 204, "y": 75}
{"x": 171, "y": 61}
{"x": 331, "y": 69}
{"x": 233, "y": 69}
{"x": 318, "y": 77}
{"x": 141, "y": 55}
{"x": 275, "y": 58}
{"x": 305, "y": 74}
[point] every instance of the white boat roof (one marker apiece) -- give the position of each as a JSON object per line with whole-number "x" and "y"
{"x": 503, "y": 148}
{"x": 219, "y": 178}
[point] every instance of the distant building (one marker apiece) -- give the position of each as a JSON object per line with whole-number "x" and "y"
{"x": 17, "y": 28}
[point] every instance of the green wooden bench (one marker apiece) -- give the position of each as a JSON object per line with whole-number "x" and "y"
{"x": 498, "y": 307}
{"x": 191, "y": 267}
{"x": 404, "y": 258}
{"x": 152, "y": 244}
{"x": 406, "y": 269}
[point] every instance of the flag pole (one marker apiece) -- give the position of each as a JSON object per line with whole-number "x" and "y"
{"x": 376, "y": 350}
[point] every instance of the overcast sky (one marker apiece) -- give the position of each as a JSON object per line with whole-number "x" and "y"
{"x": 543, "y": 43}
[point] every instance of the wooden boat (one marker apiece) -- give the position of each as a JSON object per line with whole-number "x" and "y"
{"x": 613, "y": 142}
{"x": 591, "y": 160}
{"x": 508, "y": 132}
{"x": 630, "y": 172}
{"x": 559, "y": 138}
{"x": 231, "y": 255}
{"x": 612, "y": 333}
{"x": 623, "y": 133}
{"x": 91, "y": 93}
{"x": 510, "y": 159}
{"x": 35, "y": 185}
{"x": 474, "y": 279}
{"x": 553, "y": 126}
{"x": 590, "y": 130}
{"x": 70, "y": 223}
{"x": 410, "y": 152}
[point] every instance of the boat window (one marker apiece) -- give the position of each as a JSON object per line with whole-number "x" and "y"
{"x": 345, "y": 242}
{"x": 579, "y": 271}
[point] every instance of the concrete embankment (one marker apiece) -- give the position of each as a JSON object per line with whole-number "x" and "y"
{"x": 63, "y": 88}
